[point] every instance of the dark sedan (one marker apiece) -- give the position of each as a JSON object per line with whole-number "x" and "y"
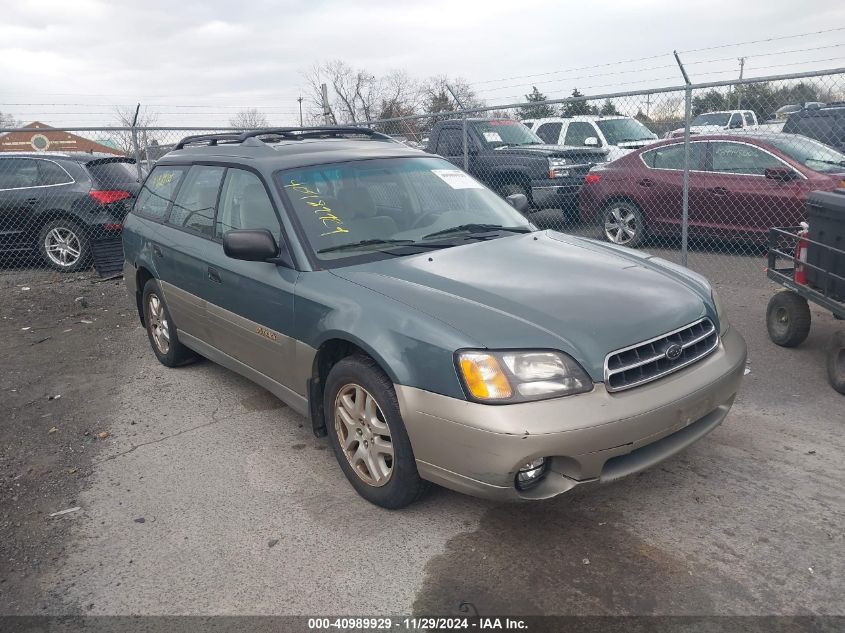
{"x": 739, "y": 186}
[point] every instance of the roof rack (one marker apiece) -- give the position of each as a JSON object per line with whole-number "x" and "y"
{"x": 288, "y": 133}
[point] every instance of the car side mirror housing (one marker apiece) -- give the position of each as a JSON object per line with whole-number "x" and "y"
{"x": 251, "y": 245}
{"x": 781, "y": 174}
{"x": 591, "y": 141}
{"x": 518, "y": 201}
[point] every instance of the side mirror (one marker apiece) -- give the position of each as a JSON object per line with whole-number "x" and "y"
{"x": 251, "y": 245}
{"x": 781, "y": 174}
{"x": 591, "y": 141}
{"x": 518, "y": 201}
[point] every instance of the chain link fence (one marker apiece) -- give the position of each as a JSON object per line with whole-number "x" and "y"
{"x": 695, "y": 173}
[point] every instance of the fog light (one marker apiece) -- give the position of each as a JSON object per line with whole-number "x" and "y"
{"x": 531, "y": 473}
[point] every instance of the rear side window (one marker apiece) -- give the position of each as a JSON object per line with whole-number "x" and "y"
{"x": 749, "y": 120}
{"x": 49, "y": 173}
{"x": 158, "y": 192}
{"x": 550, "y": 132}
{"x": 17, "y": 173}
{"x": 196, "y": 201}
{"x": 577, "y": 132}
{"x": 244, "y": 204}
{"x": 110, "y": 174}
{"x": 672, "y": 156}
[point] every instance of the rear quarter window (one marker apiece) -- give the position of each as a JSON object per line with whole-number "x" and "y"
{"x": 158, "y": 192}
{"x": 109, "y": 174}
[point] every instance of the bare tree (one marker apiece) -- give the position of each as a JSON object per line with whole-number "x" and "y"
{"x": 124, "y": 117}
{"x": 249, "y": 119}
{"x": 7, "y": 120}
{"x": 438, "y": 94}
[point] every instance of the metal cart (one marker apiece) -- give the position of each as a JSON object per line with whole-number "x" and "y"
{"x": 788, "y": 313}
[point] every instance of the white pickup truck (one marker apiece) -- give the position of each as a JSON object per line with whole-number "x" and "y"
{"x": 618, "y": 134}
{"x": 718, "y": 122}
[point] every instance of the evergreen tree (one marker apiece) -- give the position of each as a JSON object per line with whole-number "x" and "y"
{"x": 539, "y": 111}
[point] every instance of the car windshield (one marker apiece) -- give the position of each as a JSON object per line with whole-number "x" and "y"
{"x": 812, "y": 154}
{"x": 712, "y": 118}
{"x": 624, "y": 131}
{"x": 501, "y": 132}
{"x": 393, "y": 206}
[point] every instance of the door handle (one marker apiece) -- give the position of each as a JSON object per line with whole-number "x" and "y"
{"x": 718, "y": 191}
{"x": 157, "y": 251}
{"x": 214, "y": 275}
{"x": 646, "y": 182}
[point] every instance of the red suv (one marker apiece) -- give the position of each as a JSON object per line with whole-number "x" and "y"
{"x": 739, "y": 186}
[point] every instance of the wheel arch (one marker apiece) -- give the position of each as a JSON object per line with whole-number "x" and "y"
{"x": 142, "y": 276}
{"x": 331, "y": 350}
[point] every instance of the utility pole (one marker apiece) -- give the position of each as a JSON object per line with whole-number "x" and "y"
{"x": 739, "y": 86}
{"x": 300, "y": 110}
{"x": 647, "y": 103}
{"x": 327, "y": 110}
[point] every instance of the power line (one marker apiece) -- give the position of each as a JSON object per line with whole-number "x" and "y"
{"x": 770, "y": 39}
{"x": 639, "y": 59}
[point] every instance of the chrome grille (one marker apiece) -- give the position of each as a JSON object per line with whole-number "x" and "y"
{"x": 647, "y": 361}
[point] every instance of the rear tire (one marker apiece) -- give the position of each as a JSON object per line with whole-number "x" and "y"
{"x": 788, "y": 318}
{"x": 164, "y": 338}
{"x": 64, "y": 245}
{"x": 622, "y": 223}
{"x": 836, "y": 361}
{"x": 368, "y": 436}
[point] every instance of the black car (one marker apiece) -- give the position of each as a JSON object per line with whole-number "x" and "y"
{"x": 57, "y": 204}
{"x": 826, "y": 124}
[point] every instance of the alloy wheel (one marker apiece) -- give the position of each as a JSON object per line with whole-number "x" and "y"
{"x": 63, "y": 247}
{"x": 159, "y": 327}
{"x": 620, "y": 225}
{"x": 363, "y": 434}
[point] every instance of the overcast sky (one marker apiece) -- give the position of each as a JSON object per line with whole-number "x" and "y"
{"x": 82, "y": 57}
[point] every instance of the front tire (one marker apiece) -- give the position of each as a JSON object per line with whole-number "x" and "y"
{"x": 623, "y": 224}
{"x": 161, "y": 331}
{"x": 836, "y": 361}
{"x": 368, "y": 436}
{"x": 64, "y": 246}
{"x": 788, "y": 318}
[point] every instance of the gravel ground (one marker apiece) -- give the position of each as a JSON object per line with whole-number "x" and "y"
{"x": 209, "y": 496}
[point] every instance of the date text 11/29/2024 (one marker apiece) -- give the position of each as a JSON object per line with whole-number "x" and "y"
{"x": 416, "y": 624}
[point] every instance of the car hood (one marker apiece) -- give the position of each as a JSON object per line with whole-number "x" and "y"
{"x": 542, "y": 290}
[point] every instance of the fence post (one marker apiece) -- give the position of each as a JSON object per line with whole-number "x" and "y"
{"x": 685, "y": 194}
{"x": 135, "y": 143}
{"x": 685, "y": 203}
{"x": 466, "y": 153}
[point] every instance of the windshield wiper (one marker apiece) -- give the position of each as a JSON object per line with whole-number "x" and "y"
{"x": 370, "y": 242}
{"x": 377, "y": 242}
{"x": 478, "y": 228}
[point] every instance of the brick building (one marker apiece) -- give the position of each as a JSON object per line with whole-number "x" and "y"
{"x": 51, "y": 140}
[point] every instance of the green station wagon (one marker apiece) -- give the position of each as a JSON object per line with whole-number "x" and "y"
{"x": 419, "y": 320}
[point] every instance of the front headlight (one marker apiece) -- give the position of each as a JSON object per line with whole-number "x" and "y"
{"x": 720, "y": 312}
{"x": 520, "y": 376}
{"x": 558, "y": 168}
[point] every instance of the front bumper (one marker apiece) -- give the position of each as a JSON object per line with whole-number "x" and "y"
{"x": 553, "y": 194}
{"x": 593, "y": 437}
